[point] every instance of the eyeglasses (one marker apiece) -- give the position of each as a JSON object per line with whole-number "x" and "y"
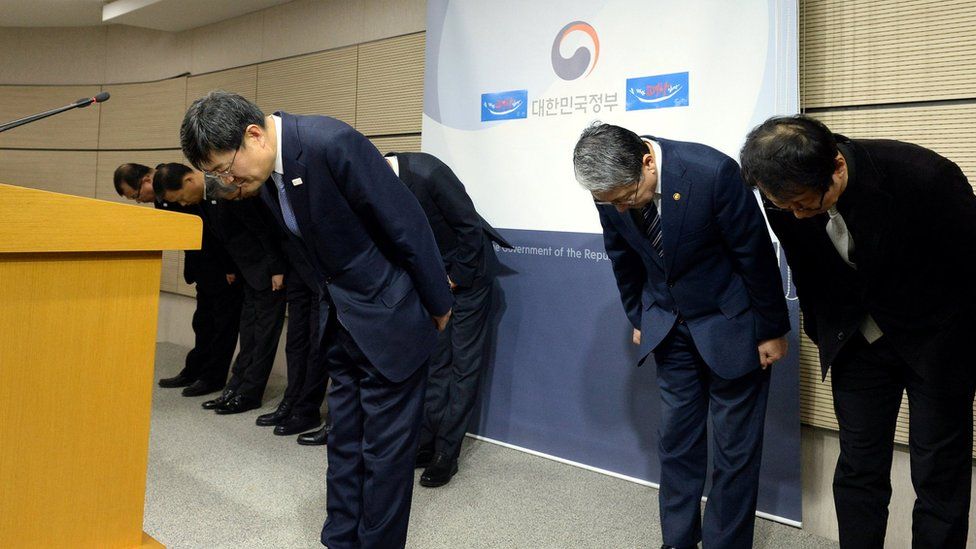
{"x": 619, "y": 201}
{"x": 225, "y": 174}
{"x": 769, "y": 206}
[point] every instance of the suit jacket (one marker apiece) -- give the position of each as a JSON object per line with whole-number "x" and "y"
{"x": 463, "y": 237}
{"x": 206, "y": 267}
{"x": 250, "y": 235}
{"x": 719, "y": 271}
{"x": 367, "y": 236}
{"x": 912, "y": 216}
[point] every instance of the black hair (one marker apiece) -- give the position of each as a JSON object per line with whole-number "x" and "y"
{"x": 169, "y": 177}
{"x": 215, "y": 123}
{"x": 788, "y": 155}
{"x": 130, "y": 174}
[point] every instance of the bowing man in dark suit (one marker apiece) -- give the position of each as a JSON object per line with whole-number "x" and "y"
{"x": 299, "y": 409}
{"x": 699, "y": 281}
{"x": 372, "y": 247}
{"x": 881, "y": 239}
{"x": 250, "y": 236}
{"x": 465, "y": 242}
{"x": 216, "y": 317}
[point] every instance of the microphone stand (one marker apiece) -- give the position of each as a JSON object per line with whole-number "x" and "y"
{"x": 81, "y": 103}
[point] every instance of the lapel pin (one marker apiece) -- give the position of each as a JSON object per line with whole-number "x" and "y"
{"x": 296, "y": 182}
{"x": 676, "y": 196}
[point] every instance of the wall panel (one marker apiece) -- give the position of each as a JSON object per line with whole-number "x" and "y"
{"x": 143, "y": 116}
{"x": 390, "y": 91}
{"x": 859, "y": 52}
{"x": 405, "y": 143}
{"x": 74, "y": 129}
{"x": 243, "y": 81}
{"x": 70, "y": 172}
{"x": 320, "y": 83}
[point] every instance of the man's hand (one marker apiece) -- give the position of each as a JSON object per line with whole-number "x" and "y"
{"x": 451, "y": 282}
{"x": 277, "y": 282}
{"x": 772, "y": 350}
{"x": 441, "y": 321}
{"x": 636, "y": 337}
{"x": 231, "y": 277}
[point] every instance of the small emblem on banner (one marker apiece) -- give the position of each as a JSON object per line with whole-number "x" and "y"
{"x": 504, "y": 105}
{"x": 297, "y": 181}
{"x": 657, "y": 92}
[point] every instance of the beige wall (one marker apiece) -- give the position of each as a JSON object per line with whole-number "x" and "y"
{"x": 117, "y": 53}
{"x": 328, "y": 57}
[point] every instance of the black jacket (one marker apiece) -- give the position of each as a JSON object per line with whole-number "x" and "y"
{"x": 250, "y": 235}
{"x": 912, "y": 216}
{"x": 208, "y": 266}
{"x": 463, "y": 237}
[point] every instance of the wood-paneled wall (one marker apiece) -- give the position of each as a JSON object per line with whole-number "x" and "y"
{"x": 895, "y": 69}
{"x": 77, "y": 152}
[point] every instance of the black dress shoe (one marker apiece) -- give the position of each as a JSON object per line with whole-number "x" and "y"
{"x": 219, "y": 401}
{"x": 315, "y": 438}
{"x": 297, "y": 424}
{"x": 236, "y": 405}
{"x": 280, "y": 414}
{"x": 439, "y": 472}
{"x": 425, "y": 455}
{"x": 179, "y": 380}
{"x": 200, "y": 388}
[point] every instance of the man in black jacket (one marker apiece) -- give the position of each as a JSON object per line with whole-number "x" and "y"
{"x": 881, "y": 239}
{"x": 218, "y": 304}
{"x": 465, "y": 242}
{"x": 251, "y": 238}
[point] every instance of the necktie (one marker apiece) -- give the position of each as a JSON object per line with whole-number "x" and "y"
{"x": 287, "y": 214}
{"x": 844, "y": 243}
{"x": 652, "y": 226}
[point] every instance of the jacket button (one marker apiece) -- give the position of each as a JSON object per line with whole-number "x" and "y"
{"x": 670, "y": 284}
{"x": 840, "y": 335}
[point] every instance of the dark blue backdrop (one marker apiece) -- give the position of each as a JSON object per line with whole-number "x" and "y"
{"x": 563, "y": 378}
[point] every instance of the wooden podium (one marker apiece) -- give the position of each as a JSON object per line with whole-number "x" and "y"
{"x": 79, "y": 295}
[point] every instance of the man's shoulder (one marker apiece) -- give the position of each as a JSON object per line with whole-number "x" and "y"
{"x": 696, "y": 157}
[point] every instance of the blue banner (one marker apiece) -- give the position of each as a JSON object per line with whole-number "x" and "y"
{"x": 657, "y": 92}
{"x": 504, "y": 105}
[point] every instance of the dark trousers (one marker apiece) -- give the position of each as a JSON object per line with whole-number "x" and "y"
{"x": 455, "y": 368}
{"x": 216, "y": 321}
{"x": 307, "y": 373}
{"x": 868, "y": 382}
{"x": 691, "y": 394}
{"x": 262, "y": 317}
{"x": 371, "y": 450}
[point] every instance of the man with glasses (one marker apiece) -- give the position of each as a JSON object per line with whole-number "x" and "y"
{"x": 881, "y": 240}
{"x": 375, "y": 254}
{"x": 699, "y": 282}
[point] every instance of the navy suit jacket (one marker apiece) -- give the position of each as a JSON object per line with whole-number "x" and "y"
{"x": 719, "y": 270}
{"x": 463, "y": 236}
{"x": 367, "y": 238}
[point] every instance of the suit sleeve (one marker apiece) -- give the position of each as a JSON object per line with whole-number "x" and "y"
{"x": 628, "y": 268}
{"x": 803, "y": 270}
{"x": 950, "y": 201}
{"x": 744, "y": 232}
{"x": 375, "y": 192}
{"x": 458, "y": 210}
{"x": 258, "y": 221}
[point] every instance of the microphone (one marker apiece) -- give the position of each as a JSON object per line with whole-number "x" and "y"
{"x": 85, "y": 101}
{"x": 81, "y": 103}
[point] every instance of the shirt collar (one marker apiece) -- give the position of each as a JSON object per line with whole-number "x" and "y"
{"x": 656, "y": 147}
{"x": 279, "y": 164}
{"x": 394, "y": 163}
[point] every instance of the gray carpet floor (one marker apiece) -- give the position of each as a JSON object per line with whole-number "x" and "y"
{"x": 220, "y": 481}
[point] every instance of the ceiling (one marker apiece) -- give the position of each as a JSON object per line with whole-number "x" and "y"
{"x": 165, "y": 15}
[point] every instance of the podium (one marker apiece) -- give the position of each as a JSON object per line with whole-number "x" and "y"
{"x": 79, "y": 296}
